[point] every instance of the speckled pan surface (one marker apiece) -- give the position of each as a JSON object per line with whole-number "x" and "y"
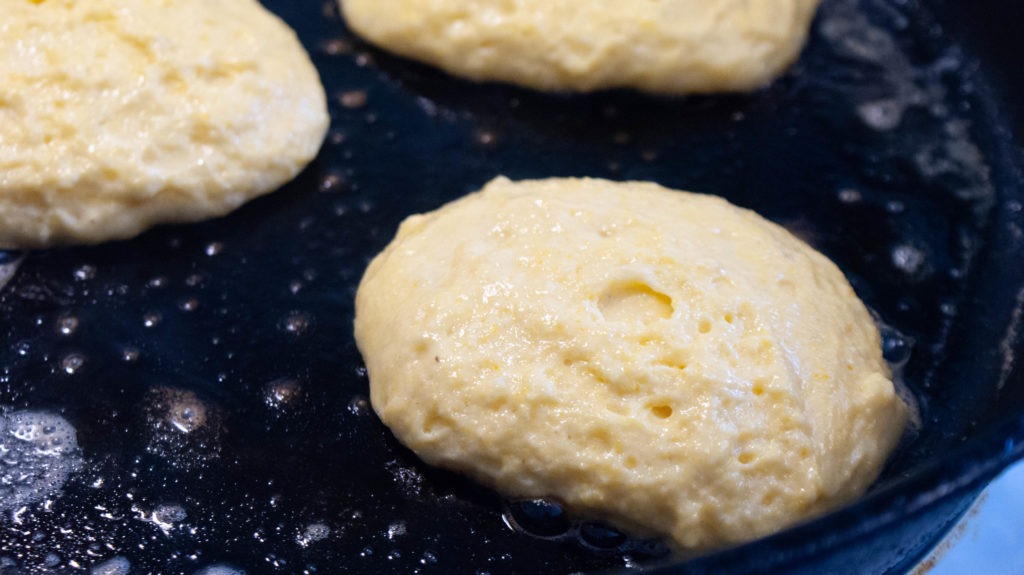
{"x": 219, "y": 404}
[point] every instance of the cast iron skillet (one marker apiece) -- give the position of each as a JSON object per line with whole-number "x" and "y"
{"x": 220, "y": 402}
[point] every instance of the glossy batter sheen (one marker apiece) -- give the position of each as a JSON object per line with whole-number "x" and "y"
{"x": 661, "y": 360}
{"x": 666, "y": 46}
{"x": 116, "y": 115}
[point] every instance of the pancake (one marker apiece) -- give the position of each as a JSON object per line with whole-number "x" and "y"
{"x": 660, "y": 360}
{"x": 662, "y": 46}
{"x": 115, "y": 116}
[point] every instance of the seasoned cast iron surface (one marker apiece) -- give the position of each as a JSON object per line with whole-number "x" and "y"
{"x": 218, "y": 403}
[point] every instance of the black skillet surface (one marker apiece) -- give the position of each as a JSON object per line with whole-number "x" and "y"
{"x": 219, "y": 399}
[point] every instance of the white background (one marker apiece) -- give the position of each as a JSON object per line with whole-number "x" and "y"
{"x": 990, "y": 539}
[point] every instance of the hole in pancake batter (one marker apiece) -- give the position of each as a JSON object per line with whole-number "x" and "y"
{"x": 634, "y": 301}
{"x": 661, "y": 411}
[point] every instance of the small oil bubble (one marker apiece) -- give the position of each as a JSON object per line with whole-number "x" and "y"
{"x": 296, "y": 323}
{"x": 896, "y": 347}
{"x": 363, "y": 59}
{"x": 353, "y": 99}
{"x": 189, "y": 305}
{"x": 72, "y": 363}
{"x": 336, "y": 46}
{"x": 312, "y": 533}
{"x": 152, "y": 319}
{"x": 358, "y": 405}
{"x": 67, "y": 325}
{"x": 213, "y": 248}
{"x": 408, "y": 479}
{"x": 486, "y": 138}
{"x": 84, "y": 272}
{"x": 186, "y": 417}
{"x": 895, "y": 207}
{"x": 169, "y": 514}
{"x": 282, "y": 393}
{"x": 598, "y": 536}
{"x": 428, "y": 558}
{"x": 849, "y": 196}
{"x": 538, "y": 517}
{"x": 882, "y": 115}
{"x": 332, "y": 183}
{"x": 179, "y": 410}
{"x": 165, "y": 517}
{"x": 396, "y": 530}
{"x": 115, "y": 566}
{"x": 908, "y": 259}
{"x": 184, "y": 430}
{"x": 130, "y": 355}
{"x": 329, "y": 10}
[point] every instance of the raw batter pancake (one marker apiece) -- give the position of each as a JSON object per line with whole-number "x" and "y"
{"x": 665, "y": 46}
{"x": 116, "y": 115}
{"x": 661, "y": 360}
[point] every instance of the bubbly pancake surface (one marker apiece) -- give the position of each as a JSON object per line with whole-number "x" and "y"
{"x": 661, "y": 360}
{"x": 664, "y": 46}
{"x": 117, "y": 115}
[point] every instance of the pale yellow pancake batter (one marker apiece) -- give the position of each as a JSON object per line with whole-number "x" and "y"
{"x": 661, "y": 360}
{"x": 665, "y": 46}
{"x": 119, "y": 114}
